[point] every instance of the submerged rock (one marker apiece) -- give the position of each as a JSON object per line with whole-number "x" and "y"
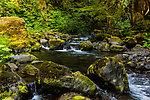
{"x": 110, "y": 73}
{"x": 73, "y": 96}
{"x": 55, "y": 79}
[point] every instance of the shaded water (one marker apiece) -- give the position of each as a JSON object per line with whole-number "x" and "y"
{"x": 76, "y": 59}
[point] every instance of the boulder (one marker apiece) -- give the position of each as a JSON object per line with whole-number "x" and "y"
{"x": 29, "y": 73}
{"x": 56, "y": 44}
{"x": 109, "y": 73}
{"x": 99, "y": 37}
{"x": 117, "y": 48}
{"x": 130, "y": 42}
{"x": 13, "y": 26}
{"x": 102, "y": 46}
{"x": 22, "y": 58}
{"x": 73, "y": 96}
{"x": 140, "y": 38}
{"x": 11, "y": 85}
{"x": 55, "y": 79}
{"x": 86, "y": 45}
{"x": 113, "y": 40}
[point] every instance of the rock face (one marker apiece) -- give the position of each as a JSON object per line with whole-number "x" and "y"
{"x": 86, "y": 45}
{"x": 73, "y": 96}
{"x": 11, "y": 85}
{"x": 109, "y": 73}
{"x": 55, "y": 79}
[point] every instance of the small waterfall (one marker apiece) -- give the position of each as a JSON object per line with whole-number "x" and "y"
{"x": 33, "y": 90}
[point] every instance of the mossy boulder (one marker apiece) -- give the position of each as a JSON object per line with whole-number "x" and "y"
{"x": 13, "y": 26}
{"x": 65, "y": 37}
{"x": 11, "y": 84}
{"x": 86, "y": 45}
{"x": 130, "y": 42}
{"x": 73, "y": 96}
{"x": 109, "y": 73}
{"x": 56, "y": 44}
{"x": 117, "y": 48}
{"x": 102, "y": 46}
{"x": 113, "y": 40}
{"x": 99, "y": 37}
{"x": 55, "y": 78}
{"x": 29, "y": 73}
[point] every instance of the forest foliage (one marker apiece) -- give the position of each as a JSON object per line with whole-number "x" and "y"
{"x": 124, "y": 17}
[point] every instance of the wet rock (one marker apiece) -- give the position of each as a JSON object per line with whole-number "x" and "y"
{"x": 109, "y": 73}
{"x": 22, "y": 58}
{"x": 56, "y": 44}
{"x": 115, "y": 40}
{"x": 117, "y": 48}
{"x": 73, "y": 96}
{"x": 138, "y": 58}
{"x": 103, "y": 46}
{"x": 55, "y": 78}
{"x": 130, "y": 42}
{"x": 43, "y": 41}
{"x": 13, "y": 66}
{"x": 11, "y": 85}
{"x": 86, "y": 45}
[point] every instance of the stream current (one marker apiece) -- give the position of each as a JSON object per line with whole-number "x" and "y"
{"x": 78, "y": 60}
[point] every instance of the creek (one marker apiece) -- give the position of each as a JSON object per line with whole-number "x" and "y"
{"x": 78, "y": 60}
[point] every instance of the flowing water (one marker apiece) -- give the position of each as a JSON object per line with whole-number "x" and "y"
{"x": 76, "y": 59}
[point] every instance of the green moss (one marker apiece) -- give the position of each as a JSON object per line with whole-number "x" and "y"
{"x": 86, "y": 45}
{"x": 23, "y": 88}
{"x": 79, "y": 98}
{"x": 6, "y": 95}
{"x": 117, "y": 48}
{"x": 56, "y": 43}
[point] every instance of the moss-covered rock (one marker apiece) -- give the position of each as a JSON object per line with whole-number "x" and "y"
{"x": 29, "y": 73}
{"x": 102, "y": 46}
{"x": 99, "y": 37}
{"x": 10, "y": 84}
{"x": 56, "y": 44}
{"x": 113, "y": 40}
{"x": 140, "y": 37}
{"x": 86, "y": 45}
{"x": 55, "y": 78}
{"x": 117, "y": 48}
{"x": 110, "y": 73}
{"x": 73, "y": 96}
{"x": 13, "y": 26}
{"x": 130, "y": 42}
